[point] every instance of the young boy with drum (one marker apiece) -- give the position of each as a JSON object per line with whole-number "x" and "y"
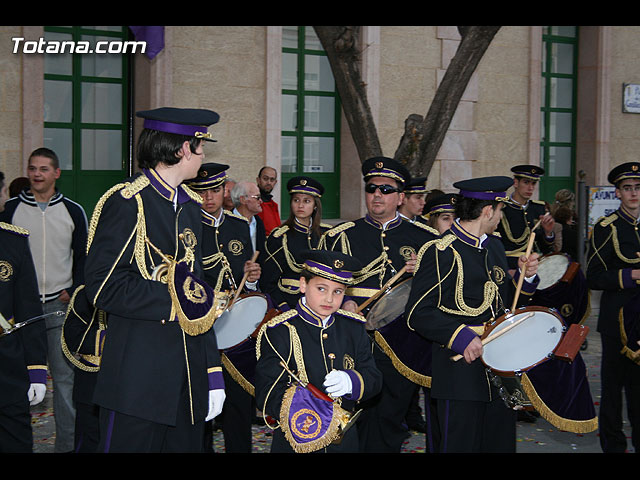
{"x": 460, "y": 284}
{"x": 315, "y": 363}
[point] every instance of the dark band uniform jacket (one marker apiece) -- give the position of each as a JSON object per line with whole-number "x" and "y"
{"x": 383, "y": 251}
{"x": 518, "y": 221}
{"x": 282, "y": 264}
{"x": 311, "y": 351}
{"x": 148, "y": 357}
{"x": 23, "y": 353}
{"x": 611, "y": 256}
{"x": 461, "y": 283}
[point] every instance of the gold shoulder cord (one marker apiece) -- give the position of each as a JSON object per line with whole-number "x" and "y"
{"x": 616, "y": 247}
{"x": 509, "y": 234}
{"x": 596, "y": 249}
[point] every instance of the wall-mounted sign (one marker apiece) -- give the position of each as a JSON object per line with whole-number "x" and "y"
{"x": 631, "y": 98}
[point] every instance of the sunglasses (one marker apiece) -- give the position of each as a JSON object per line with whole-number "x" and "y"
{"x": 384, "y": 189}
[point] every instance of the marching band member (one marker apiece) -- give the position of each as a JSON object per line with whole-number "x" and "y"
{"x": 521, "y": 214}
{"x": 384, "y": 243}
{"x": 461, "y": 282}
{"x": 301, "y": 231}
{"x": 440, "y": 212}
{"x": 412, "y": 204}
{"x": 23, "y": 353}
{"x": 227, "y": 256}
{"x": 321, "y": 345}
{"x": 613, "y": 266}
{"x": 160, "y": 374}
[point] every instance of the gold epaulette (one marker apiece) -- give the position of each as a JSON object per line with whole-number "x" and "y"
{"x": 275, "y": 321}
{"x": 328, "y": 226}
{"x": 236, "y": 215}
{"x": 131, "y": 188}
{"x": 339, "y": 229}
{"x": 426, "y": 227}
{"x": 606, "y": 221}
{"x": 496, "y": 234}
{"x": 278, "y": 232}
{"x": 8, "y": 227}
{"x": 441, "y": 243}
{"x": 195, "y": 196}
{"x": 352, "y": 315}
{"x": 93, "y": 223}
{"x": 539, "y": 202}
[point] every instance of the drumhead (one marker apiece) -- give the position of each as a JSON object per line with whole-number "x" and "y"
{"x": 551, "y": 269}
{"x": 526, "y": 344}
{"x": 234, "y": 326}
{"x": 389, "y": 306}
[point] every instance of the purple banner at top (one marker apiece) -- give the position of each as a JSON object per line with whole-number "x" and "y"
{"x": 153, "y": 35}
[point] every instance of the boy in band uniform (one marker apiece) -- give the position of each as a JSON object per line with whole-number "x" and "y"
{"x": 461, "y": 283}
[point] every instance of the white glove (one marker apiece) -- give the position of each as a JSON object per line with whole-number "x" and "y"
{"x": 216, "y": 400}
{"x": 36, "y": 392}
{"x": 337, "y": 383}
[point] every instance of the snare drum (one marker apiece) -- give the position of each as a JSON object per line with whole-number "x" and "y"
{"x": 562, "y": 286}
{"x": 409, "y": 352}
{"x": 241, "y": 321}
{"x": 526, "y": 345}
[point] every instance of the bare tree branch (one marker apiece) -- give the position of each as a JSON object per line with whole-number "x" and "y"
{"x": 341, "y": 45}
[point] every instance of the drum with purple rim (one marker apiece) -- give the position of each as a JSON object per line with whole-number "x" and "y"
{"x": 562, "y": 286}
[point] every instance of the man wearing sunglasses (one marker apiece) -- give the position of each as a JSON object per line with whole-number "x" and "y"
{"x": 384, "y": 243}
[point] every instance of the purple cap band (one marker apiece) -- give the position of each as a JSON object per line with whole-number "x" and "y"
{"x": 328, "y": 270}
{"x": 176, "y": 128}
{"x": 483, "y": 195}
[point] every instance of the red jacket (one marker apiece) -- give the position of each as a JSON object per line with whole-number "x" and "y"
{"x": 270, "y": 216}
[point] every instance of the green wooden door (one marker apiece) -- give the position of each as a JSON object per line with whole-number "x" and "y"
{"x": 558, "y": 110}
{"x": 310, "y": 118}
{"x": 86, "y": 111}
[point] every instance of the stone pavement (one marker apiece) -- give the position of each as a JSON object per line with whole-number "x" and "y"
{"x": 538, "y": 437}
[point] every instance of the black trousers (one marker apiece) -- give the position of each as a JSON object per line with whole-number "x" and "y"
{"x": 120, "y": 433}
{"x": 16, "y": 435}
{"x": 476, "y": 427}
{"x": 237, "y": 417}
{"x": 618, "y": 373}
{"x": 87, "y": 430}
{"x": 381, "y": 426}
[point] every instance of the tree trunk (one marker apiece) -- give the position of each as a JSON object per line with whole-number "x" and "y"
{"x": 341, "y": 45}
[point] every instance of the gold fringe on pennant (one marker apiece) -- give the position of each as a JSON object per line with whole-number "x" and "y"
{"x": 329, "y": 437}
{"x": 407, "y": 372}
{"x": 237, "y": 376}
{"x": 574, "y": 426}
{"x": 632, "y": 355}
{"x": 192, "y": 327}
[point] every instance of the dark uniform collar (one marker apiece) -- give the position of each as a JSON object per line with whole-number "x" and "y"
{"x": 467, "y": 237}
{"x": 309, "y": 316}
{"x": 392, "y": 224}
{"x": 164, "y": 189}
{"x": 625, "y": 215}
{"x": 299, "y": 227}
{"x": 519, "y": 206}
{"x": 212, "y": 221}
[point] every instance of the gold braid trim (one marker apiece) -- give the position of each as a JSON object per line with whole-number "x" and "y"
{"x": 616, "y": 247}
{"x": 132, "y": 188}
{"x": 403, "y": 369}
{"x": 426, "y": 227}
{"x": 195, "y": 196}
{"x": 212, "y": 261}
{"x": 140, "y": 246}
{"x": 278, "y": 232}
{"x": 575, "y": 426}
{"x": 101, "y": 326}
{"x": 509, "y": 234}
{"x": 93, "y": 224}
{"x": 490, "y": 290}
{"x": 278, "y": 319}
{"x": 333, "y": 431}
{"x": 195, "y": 326}
{"x": 13, "y": 228}
{"x": 237, "y": 376}
{"x": 626, "y": 351}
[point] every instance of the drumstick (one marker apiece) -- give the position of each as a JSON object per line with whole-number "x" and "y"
{"x": 391, "y": 281}
{"x": 244, "y": 280}
{"x": 498, "y": 334}
{"x": 532, "y": 239}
